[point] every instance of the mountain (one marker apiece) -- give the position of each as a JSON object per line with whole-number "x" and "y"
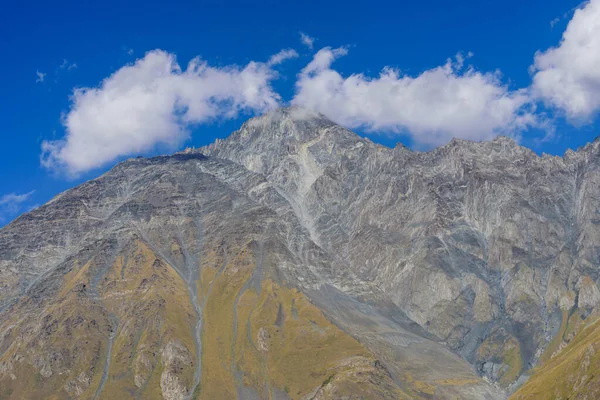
{"x": 295, "y": 259}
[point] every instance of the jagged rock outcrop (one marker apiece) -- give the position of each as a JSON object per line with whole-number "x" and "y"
{"x": 296, "y": 259}
{"x": 469, "y": 240}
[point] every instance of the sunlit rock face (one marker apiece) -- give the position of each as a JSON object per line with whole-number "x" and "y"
{"x": 468, "y": 239}
{"x": 295, "y": 259}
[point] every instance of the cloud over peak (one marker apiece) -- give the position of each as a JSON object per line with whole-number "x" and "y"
{"x": 440, "y": 103}
{"x": 153, "y": 102}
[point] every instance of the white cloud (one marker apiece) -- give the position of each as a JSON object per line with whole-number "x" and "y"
{"x": 307, "y": 40}
{"x": 568, "y": 76}
{"x": 154, "y": 101}
{"x": 441, "y": 103}
{"x": 12, "y": 203}
{"x": 40, "y": 77}
{"x": 283, "y": 55}
{"x": 67, "y": 65}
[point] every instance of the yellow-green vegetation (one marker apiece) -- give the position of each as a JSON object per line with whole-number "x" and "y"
{"x": 63, "y": 350}
{"x": 299, "y": 353}
{"x": 457, "y": 382}
{"x": 419, "y": 386}
{"x": 152, "y": 304}
{"x": 359, "y": 378}
{"x": 58, "y": 349}
{"x": 574, "y": 371}
{"x": 569, "y": 325}
{"x": 257, "y": 335}
{"x": 217, "y": 334}
{"x": 282, "y": 342}
{"x": 574, "y": 323}
{"x": 514, "y": 360}
{"x": 554, "y": 345}
{"x": 501, "y": 347}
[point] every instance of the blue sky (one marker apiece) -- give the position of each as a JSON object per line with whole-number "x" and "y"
{"x": 430, "y": 53}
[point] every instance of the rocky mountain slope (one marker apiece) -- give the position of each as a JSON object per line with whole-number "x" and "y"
{"x": 298, "y": 260}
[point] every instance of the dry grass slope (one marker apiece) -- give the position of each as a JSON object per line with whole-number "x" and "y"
{"x": 146, "y": 298}
{"x": 570, "y": 371}
{"x": 259, "y": 337}
{"x": 282, "y": 343}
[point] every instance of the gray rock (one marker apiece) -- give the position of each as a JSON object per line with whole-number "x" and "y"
{"x": 422, "y": 256}
{"x": 462, "y": 238}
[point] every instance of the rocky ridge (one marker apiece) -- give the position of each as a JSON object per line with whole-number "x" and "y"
{"x": 435, "y": 274}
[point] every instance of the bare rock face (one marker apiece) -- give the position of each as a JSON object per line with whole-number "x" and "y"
{"x": 174, "y": 356}
{"x": 361, "y": 372}
{"x": 77, "y": 387}
{"x": 262, "y": 340}
{"x": 420, "y": 274}
{"x": 144, "y": 365}
{"x": 589, "y": 295}
{"x": 465, "y": 239}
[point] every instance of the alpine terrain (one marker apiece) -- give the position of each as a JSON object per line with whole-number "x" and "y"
{"x": 298, "y": 260}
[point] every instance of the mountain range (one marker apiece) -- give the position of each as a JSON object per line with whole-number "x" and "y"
{"x": 298, "y": 260}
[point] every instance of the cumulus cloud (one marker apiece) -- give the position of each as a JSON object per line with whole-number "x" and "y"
{"x": 568, "y": 76}
{"x": 12, "y": 203}
{"x": 307, "y": 40}
{"x": 280, "y": 57}
{"x": 153, "y": 102}
{"x": 441, "y": 103}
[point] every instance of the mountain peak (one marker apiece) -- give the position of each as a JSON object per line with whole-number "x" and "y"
{"x": 314, "y": 224}
{"x": 282, "y": 130}
{"x": 292, "y": 115}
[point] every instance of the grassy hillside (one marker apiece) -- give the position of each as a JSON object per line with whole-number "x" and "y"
{"x": 122, "y": 326}
{"x": 570, "y": 367}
